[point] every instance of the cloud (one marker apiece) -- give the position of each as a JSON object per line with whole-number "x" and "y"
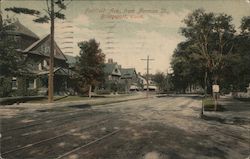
{"x": 171, "y": 19}
{"x": 154, "y": 44}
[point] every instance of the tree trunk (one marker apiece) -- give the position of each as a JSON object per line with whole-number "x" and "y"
{"x": 90, "y": 90}
{"x": 205, "y": 84}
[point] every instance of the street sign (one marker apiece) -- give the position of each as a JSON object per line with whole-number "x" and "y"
{"x": 216, "y": 88}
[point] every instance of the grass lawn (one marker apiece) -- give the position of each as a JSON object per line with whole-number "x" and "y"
{"x": 208, "y": 104}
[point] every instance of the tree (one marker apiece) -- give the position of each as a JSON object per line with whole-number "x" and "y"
{"x": 160, "y": 80}
{"x": 211, "y": 38}
{"x": 48, "y": 16}
{"x": 239, "y": 78}
{"x": 90, "y": 63}
{"x": 188, "y": 68}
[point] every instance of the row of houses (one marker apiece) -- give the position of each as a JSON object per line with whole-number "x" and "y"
{"x": 126, "y": 79}
{"x": 33, "y": 79}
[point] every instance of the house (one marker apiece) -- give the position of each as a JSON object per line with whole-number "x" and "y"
{"x": 112, "y": 71}
{"x": 33, "y": 79}
{"x": 130, "y": 79}
{"x": 143, "y": 83}
{"x": 21, "y": 35}
{"x": 119, "y": 79}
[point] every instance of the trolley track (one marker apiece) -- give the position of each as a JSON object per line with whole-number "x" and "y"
{"x": 23, "y": 139}
{"x": 87, "y": 144}
{"x": 40, "y": 119}
{"x": 47, "y": 140}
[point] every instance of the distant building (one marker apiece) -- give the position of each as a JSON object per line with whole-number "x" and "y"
{"x": 119, "y": 79}
{"x": 112, "y": 71}
{"x": 143, "y": 83}
{"x": 130, "y": 79}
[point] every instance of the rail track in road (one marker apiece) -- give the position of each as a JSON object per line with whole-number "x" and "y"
{"x": 88, "y": 144}
{"x": 44, "y": 121}
{"x": 41, "y": 121}
{"x": 30, "y": 145}
{"x": 45, "y": 142}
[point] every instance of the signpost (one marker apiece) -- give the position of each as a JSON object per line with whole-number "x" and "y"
{"x": 216, "y": 90}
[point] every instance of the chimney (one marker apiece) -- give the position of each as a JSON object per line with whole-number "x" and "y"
{"x": 120, "y": 66}
{"x": 110, "y": 60}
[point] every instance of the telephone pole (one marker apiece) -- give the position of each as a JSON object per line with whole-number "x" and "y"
{"x": 148, "y": 59}
{"x": 51, "y": 66}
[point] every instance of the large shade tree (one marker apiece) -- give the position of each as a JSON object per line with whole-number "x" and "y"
{"x": 210, "y": 41}
{"x": 90, "y": 64}
{"x": 237, "y": 72}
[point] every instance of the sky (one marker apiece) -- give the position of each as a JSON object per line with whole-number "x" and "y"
{"x": 127, "y": 30}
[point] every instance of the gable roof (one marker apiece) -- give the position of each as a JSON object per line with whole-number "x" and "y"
{"x": 33, "y": 48}
{"x": 127, "y": 72}
{"x": 19, "y": 28}
{"x": 109, "y": 68}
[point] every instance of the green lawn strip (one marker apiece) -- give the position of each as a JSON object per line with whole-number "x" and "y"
{"x": 208, "y": 104}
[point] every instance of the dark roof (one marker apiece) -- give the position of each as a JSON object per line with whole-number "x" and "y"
{"x": 18, "y": 28}
{"x": 32, "y": 49}
{"x": 127, "y": 72}
{"x": 109, "y": 67}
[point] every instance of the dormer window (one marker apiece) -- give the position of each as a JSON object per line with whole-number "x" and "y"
{"x": 116, "y": 70}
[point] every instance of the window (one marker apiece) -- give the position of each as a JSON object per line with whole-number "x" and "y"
{"x": 45, "y": 63}
{"x": 110, "y": 77}
{"x": 40, "y": 67}
{"x": 16, "y": 38}
{"x": 32, "y": 84}
{"x": 46, "y": 49}
{"x": 14, "y": 83}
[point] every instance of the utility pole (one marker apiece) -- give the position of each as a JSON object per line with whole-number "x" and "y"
{"x": 51, "y": 66}
{"x": 148, "y": 59}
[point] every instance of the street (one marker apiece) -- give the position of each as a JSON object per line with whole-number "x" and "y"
{"x": 167, "y": 127}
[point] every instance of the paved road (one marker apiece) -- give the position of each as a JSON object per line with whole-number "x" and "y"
{"x": 155, "y": 128}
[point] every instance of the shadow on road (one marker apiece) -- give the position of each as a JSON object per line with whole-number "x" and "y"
{"x": 82, "y": 106}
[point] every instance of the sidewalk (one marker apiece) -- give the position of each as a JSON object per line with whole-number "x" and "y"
{"x": 12, "y": 110}
{"x": 236, "y": 112}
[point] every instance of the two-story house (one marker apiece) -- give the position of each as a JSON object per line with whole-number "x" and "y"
{"x": 33, "y": 79}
